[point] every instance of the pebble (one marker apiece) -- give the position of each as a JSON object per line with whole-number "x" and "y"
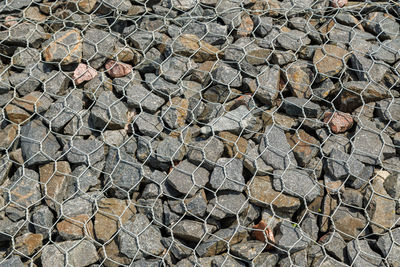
{"x": 118, "y": 69}
{"x": 84, "y": 73}
{"x": 338, "y": 122}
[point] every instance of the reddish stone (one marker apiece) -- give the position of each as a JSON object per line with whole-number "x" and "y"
{"x": 118, "y": 69}
{"x": 339, "y": 122}
{"x": 338, "y": 3}
{"x": 10, "y": 21}
{"x": 259, "y": 235}
{"x": 84, "y": 73}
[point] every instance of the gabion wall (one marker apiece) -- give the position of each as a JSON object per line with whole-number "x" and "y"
{"x": 199, "y": 133}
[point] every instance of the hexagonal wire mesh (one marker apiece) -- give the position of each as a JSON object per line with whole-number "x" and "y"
{"x": 199, "y": 133}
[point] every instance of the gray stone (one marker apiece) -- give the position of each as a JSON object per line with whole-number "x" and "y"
{"x": 298, "y": 258}
{"x": 220, "y": 240}
{"x": 342, "y": 166}
{"x": 14, "y": 5}
{"x": 24, "y": 34}
{"x": 290, "y": 237}
{"x": 301, "y": 107}
{"x": 12, "y": 262}
{"x": 268, "y": 85}
{"x": 170, "y": 149}
{"x": 161, "y": 87}
{"x": 142, "y": 40}
{"x": 233, "y": 121}
{"x": 352, "y": 198}
{"x": 275, "y": 150}
{"x": 120, "y": 5}
{"x": 9, "y": 228}
{"x": 79, "y": 125}
{"x": 148, "y": 124}
{"x": 301, "y": 24}
{"x": 24, "y": 57}
{"x": 100, "y": 83}
{"x": 86, "y": 177}
{"x": 324, "y": 89}
{"x": 227, "y": 175}
{"x": 387, "y": 51}
{"x": 360, "y": 254}
{"x": 77, "y": 206}
{"x": 38, "y": 145}
{"x": 151, "y": 190}
{"x": 24, "y": 188}
{"x": 366, "y": 134}
{"x": 152, "y": 208}
{"x": 388, "y": 244}
{"x": 123, "y": 171}
{"x": 297, "y": 183}
{"x": 392, "y": 185}
{"x": 248, "y": 250}
{"x": 254, "y": 163}
{"x": 227, "y": 204}
{"x": 342, "y": 35}
{"x": 205, "y": 152}
{"x": 292, "y": 40}
{"x": 226, "y": 75}
{"x": 109, "y": 112}
{"x": 262, "y": 25}
{"x": 98, "y": 45}
{"x": 23, "y": 82}
{"x": 63, "y": 110}
{"x": 310, "y": 227}
{"x": 367, "y": 69}
{"x": 334, "y": 245}
{"x": 76, "y": 253}
{"x": 265, "y": 259}
{"x": 181, "y": 5}
{"x": 177, "y": 248}
{"x": 137, "y": 95}
{"x": 383, "y": 25}
{"x": 192, "y": 230}
{"x": 42, "y": 219}
{"x": 81, "y": 151}
{"x": 186, "y": 178}
{"x": 135, "y": 235}
{"x": 388, "y": 109}
{"x": 176, "y": 68}
{"x": 225, "y": 260}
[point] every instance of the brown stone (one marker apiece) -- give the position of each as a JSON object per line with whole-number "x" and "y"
{"x": 127, "y": 55}
{"x": 34, "y": 102}
{"x": 111, "y": 256}
{"x": 305, "y": 147}
{"x": 16, "y": 156}
{"x": 17, "y": 114}
{"x": 28, "y": 243}
{"x": 234, "y": 145}
{"x": 84, "y": 73}
{"x": 258, "y": 56}
{"x": 262, "y": 194}
{"x": 111, "y": 211}
{"x": 261, "y": 7}
{"x": 259, "y": 235}
{"x": 117, "y": 69}
{"x": 202, "y": 72}
{"x": 330, "y": 60}
{"x": 76, "y": 227}
{"x": 381, "y": 208}
{"x": 54, "y": 178}
{"x": 246, "y": 26}
{"x": 10, "y": 21}
{"x": 299, "y": 75}
{"x": 7, "y": 136}
{"x": 349, "y": 223}
{"x": 33, "y": 13}
{"x": 66, "y": 48}
{"x": 86, "y": 5}
{"x": 191, "y": 46}
{"x": 359, "y": 93}
{"x": 180, "y": 107}
{"x": 338, "y": 122}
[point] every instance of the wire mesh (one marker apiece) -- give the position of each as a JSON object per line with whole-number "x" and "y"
{"x": 199, "y": 133}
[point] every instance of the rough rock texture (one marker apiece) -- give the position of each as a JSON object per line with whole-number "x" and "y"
{"x": 199, "y": 133}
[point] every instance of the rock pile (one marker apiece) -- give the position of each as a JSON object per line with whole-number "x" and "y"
{"x": 199, "y": 133}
